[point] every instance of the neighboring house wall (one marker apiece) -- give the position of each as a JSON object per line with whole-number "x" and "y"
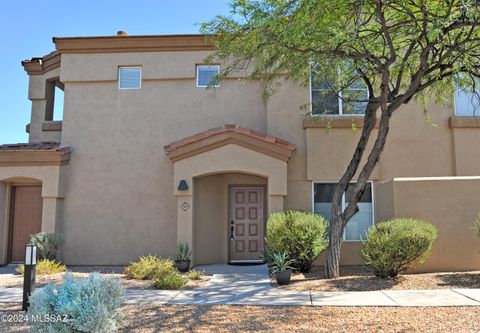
{"x": 120, "y": 198}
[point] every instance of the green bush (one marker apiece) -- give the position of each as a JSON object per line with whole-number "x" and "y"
{"x": 47, "y": 244}
{"x": 195, "y": 275}
{"x": 173, "y": 280}
{"x": 77, "y": 305}
{"x": 149, "y": 267}
{"x": 45, "y": 267}
{"x": 300, "y": 235}
{"x": 393, "y": 246}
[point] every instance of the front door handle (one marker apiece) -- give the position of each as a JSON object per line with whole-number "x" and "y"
{"x": 232, "y": 230}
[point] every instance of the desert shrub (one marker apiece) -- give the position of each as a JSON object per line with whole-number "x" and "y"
{"x": 393, "y": 246}
{"x": 89, "y": 304}
{"x": 47, "y": 244}
{"x": 173, "y": 280}
{"x": 45, "y": 267}
{"x": 195, "y": 275}
{"x": 149, "y": 267}
{"x": 300, "y": 235}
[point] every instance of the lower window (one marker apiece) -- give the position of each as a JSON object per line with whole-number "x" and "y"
{"x": 359, "y": 223}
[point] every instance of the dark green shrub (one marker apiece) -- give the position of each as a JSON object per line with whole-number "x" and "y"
{"x": 300, "y": 235}
{"x": 393, "y": 246}
{"x": 47, "y": 244}
{"x": 149, "y": 267}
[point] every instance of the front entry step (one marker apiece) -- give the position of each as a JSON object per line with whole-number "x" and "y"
{"x": 245, "y": 262}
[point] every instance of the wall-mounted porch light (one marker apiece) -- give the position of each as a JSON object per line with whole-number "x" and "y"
{"x": 182, "y": 186}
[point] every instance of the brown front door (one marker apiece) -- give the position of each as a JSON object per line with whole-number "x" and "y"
{"x": 246, "y": 223}
{"x": 26, "y": 219}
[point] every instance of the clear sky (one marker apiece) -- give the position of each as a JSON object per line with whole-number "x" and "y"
{"x": 27, "y": 28}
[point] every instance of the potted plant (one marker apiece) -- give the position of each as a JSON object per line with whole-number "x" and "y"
{"x": 182, "y": 257}
{"x": 281, "y": 268}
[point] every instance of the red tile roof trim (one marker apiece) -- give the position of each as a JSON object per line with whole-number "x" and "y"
{"x": 37, "y": 146}
{"x": 225, "y": 129}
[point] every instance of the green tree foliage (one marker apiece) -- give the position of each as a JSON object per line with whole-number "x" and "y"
{"x": 400, "y": 49}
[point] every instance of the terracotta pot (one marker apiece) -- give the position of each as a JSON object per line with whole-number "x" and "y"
{"x": 283, "y": 277}
{"x": 182, "y": 265}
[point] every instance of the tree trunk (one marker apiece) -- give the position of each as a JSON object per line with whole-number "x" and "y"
{"x": 341, "y": 217}
{"x": 332, "y": 264}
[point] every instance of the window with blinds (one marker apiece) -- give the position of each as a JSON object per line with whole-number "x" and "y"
{"x": 206, "y": 74}
{"x": 360, "y": 222}
{"x": 129, "y": 77}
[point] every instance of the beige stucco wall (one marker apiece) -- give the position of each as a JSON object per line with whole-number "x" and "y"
{"x": 120, "y": 188}
{"x": 210, "y": 224}
{"x": 119, "y": 172}
{"x": 467, "y": 151}
{"x": 451, "y": 204}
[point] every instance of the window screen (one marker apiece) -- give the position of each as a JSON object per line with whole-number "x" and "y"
{"x": 130, "y": 77}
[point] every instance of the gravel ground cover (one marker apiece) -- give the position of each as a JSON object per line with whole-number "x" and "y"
{"x": 194, "y": 318}
{"x": 83, "y": 271}
{"x": 357, "y": 278}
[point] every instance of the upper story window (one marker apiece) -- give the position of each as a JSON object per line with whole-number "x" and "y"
{"x": 350, "y": 101}
{"x": 360, "y": 222}
{"x": 129, "y": 77}
{"x": 467, "y": 103}
{"x": 206, "y": 74}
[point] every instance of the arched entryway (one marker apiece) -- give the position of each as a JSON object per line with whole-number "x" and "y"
{"x": 230, "y": 211}
{"x": 224, "y": 163}
{"x": 31, "y": 194}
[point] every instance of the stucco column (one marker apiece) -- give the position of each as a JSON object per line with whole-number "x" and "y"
{"x": 51, "y": 214}
{"x": 275, "y": 203}
{"x": 3, "y": 223}
{"x": 185, "y": 219}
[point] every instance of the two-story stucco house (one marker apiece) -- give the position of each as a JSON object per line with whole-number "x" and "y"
{"x": 146, "y": 157}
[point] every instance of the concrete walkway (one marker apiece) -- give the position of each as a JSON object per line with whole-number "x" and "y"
{"x": 250, "y": 285}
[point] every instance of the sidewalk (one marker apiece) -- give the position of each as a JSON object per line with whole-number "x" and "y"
{"x": 250, "y": 285}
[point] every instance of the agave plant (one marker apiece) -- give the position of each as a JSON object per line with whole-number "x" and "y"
{"x": 183, "y": 252}
{"x": 266, "y": 255}
{"x": 47, "y": 244}
{"x": 281, "y": 262}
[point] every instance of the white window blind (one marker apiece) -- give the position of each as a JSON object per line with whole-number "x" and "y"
{"x": 130, "y": 77}
{"x": 359, "y": 223}
{"x": 205, "y": 75}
